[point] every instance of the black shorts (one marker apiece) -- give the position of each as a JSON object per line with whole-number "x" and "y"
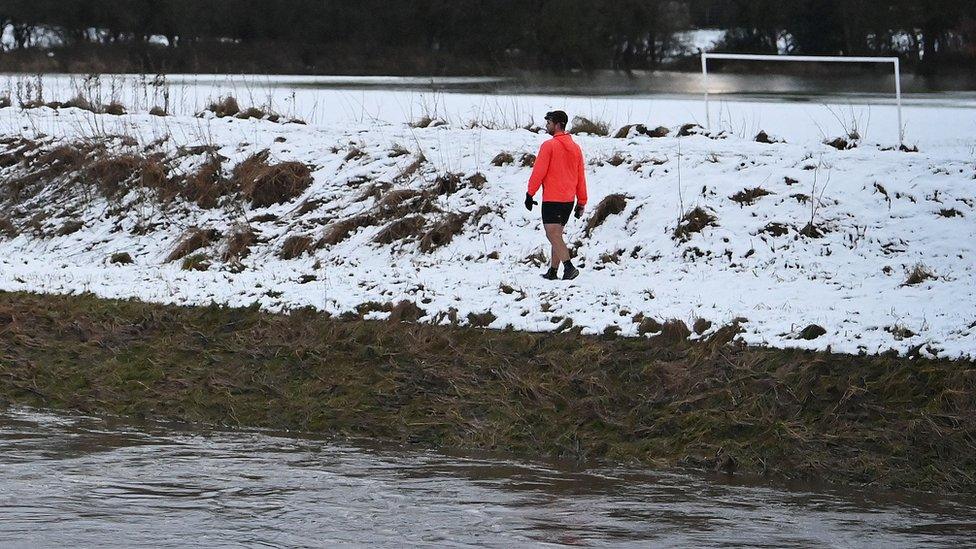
{"x": 556, "y": 212}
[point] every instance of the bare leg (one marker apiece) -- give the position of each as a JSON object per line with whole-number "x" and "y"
{"x": 560, "y": 252}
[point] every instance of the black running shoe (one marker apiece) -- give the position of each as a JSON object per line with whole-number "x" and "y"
{"x": 550, "y": 275}
{"x": 570, "y": 273}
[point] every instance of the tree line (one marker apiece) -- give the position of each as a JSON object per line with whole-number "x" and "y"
{"x": 462, "y": 36}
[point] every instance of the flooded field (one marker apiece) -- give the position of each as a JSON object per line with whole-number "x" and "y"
{"x": 94, "y": 481}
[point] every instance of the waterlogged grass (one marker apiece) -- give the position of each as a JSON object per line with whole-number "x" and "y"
{"x": 883, "y": 420}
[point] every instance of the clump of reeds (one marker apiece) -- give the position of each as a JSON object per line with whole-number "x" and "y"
{"x": 443, "y": 232}
{"x": 692, "y": 222}
{"x": 195, "y": 262}
{"x": 585, "y": 125}
{"x": 296, "y": 246}
{"x": 266, "y": 184}
{"x": 193, "y": 240}
{"x": 224, "y": 106}
{"x": 400, "y": 229}
{"x": 613, "y": 204}
{"x": 502, "y": 159}
{"x": 341, "y": 230}
{"x": 918, "y": 274}
{"x": 120, "y": 258}
{"x": 746, "y": 197}
{"x": 238, "y": 245}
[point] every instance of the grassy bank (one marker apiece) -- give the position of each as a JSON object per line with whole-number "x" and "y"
{"x": 662, "y": 401}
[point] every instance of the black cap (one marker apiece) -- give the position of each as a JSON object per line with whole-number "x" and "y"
{"x": 559, "y": 117}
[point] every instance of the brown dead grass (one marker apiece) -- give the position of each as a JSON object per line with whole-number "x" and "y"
{"x": 648, "y": 326}
{"x": 392, "y": 202}
{"x": 109, "y": 173}
{"x": 80, "y": 102}
{"x": 443, "y": 232}
{"x": 476, "y": 181}
{"x": 411, "y": 169}
{"x": 613, "y": 204}
{"x": 193, "y": 240}
{"x": 747, "y": 197}
{"x": 624, "y": 132}
{"x": 195, "y": 262}
{"x": 763, "y": 137}
{"x": 402, "y": 202}
{"x": 776, "y": 229}
{"x": 258, "y": 114}
{"x": 811, "y": 331}
{"x": 296, "y": 246}
{"x": 309, "y": 206}
{"x": 340, "y": 230}
{"x": 690, "y": 129}
{"x": 918, "y": 274}
{"x": 659, "y": 131}
{"x": 694, "y": 221}
{"x": 674, "y": 331}
{"x": 375, "y": 191}
{"x": 398, "y": 150}
{"x": 114, "y": 108}
{"x": 354, "y": 153}
{"x": 39, "y": 170}
{"x": 266, "y": 184}
{"x": 481, "y": 320}
{"x": 7, "y": 228}
{"x": 70, "y": 227}
{"x": 446, "y": 184}
{"x": 406, "y": 311}
{"x": 502, "y": 159}
{"x": 207, "y": 185}
{"x": 15, "y": 150}
{"x": 840, "y": 143}
{"x": 120, "y": 258}
{"x": 224, "y": 106}
{"x": 64, "y": 158}
{"x": 811, "y": 231}
{"x": 585, "y": 125}
{"x": 238, "y": 245}
{"x": 406, "y": 228}
{"x": 152, "y": 173}
{"x": 701, "y": 326}
{"x": 427, "y": 122}
{"x": 640, "y": 129}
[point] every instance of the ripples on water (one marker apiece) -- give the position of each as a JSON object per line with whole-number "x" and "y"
{"x": 97, "y": 482}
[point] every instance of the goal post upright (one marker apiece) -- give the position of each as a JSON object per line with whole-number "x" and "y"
{"x": 814, "y": 58}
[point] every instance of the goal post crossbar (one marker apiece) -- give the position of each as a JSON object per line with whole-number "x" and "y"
{"x": 816, "y": 58}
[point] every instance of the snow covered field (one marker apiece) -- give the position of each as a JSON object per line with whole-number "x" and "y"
{"x": 874, "y": 215}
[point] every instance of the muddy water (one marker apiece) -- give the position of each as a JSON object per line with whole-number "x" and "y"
{"x": 96, "y": 482}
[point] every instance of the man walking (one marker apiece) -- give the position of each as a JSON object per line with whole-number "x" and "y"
{"x": 559, "y": 171}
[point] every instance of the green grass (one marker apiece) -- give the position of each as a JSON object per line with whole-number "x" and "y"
{"x": 884, "y": 420}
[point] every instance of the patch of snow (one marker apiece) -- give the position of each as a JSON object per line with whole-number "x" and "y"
{"x": 879, "y": 211}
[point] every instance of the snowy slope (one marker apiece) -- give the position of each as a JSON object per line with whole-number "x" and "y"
{"x": 880, "y": 213}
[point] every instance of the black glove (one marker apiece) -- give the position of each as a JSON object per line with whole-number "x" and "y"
{"x": 529, "y": 202}
{"x": 579, "y": 210}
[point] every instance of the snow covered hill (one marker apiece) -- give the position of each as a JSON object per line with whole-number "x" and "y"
{"x": 873, "y": 246}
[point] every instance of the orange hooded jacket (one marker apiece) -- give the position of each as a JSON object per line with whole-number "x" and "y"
{"x": 559, "y": 171}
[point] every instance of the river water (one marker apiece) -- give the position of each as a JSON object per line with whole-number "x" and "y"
{"x": 88, "y": 481}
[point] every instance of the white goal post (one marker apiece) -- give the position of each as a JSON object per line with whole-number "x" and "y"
{"x": 817, "y": 58}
